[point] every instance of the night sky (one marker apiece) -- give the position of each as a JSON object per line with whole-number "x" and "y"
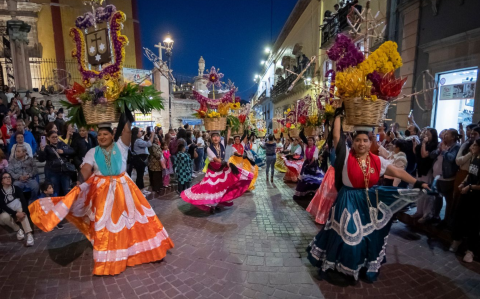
{"x": 229, "y": 34}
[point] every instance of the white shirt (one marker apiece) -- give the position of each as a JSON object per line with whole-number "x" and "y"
{"x": 210, "y": 153}
{"x": 346, "y": 180}
{"x": 52, "y": 117}
{"x": 10, "y": 96}
{"x": 90, "y": 158}
{"x": 298, "y": 151}
{"x": 201, "y": 142}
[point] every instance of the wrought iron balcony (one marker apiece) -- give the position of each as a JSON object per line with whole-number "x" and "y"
{"x": 334, "y": 25}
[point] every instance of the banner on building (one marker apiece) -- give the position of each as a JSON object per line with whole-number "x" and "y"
{"x": 143, "y": 117}
{"x": 142, "y": 77}
{"x": 462, "y": 91}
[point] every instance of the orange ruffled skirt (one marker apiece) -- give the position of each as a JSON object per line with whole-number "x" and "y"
{"x": 115, "y": 216}
{"x": 244, "y": 164}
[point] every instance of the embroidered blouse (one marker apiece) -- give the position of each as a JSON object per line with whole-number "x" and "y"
{"x": 90, "y": 158}
{"x": 352, "y": 175}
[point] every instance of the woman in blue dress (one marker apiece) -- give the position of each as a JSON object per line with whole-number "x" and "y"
{"x": 354, "y": 239}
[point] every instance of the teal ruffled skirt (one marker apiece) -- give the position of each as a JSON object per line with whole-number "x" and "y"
{"x": 355, "y": 235}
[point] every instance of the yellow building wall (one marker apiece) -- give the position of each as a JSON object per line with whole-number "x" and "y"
{"x": 70, "y": 10}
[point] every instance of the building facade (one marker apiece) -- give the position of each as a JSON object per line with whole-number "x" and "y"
{"x": 50, "y": 45}
{"x": 440, "y": 38}
{"x": 309, "y": 31}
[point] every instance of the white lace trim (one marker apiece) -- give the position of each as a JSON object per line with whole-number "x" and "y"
{"x": 204, "y": 196}
{"x": 59, "y": 209}
{"x": 82, "y": 207}
{"x": 372, "y": 266}
{"x": 220, "y": 180}
{"x": 123, "y": 254}
{"x": 311, "y": 177}
{"x": 405, "y": 197}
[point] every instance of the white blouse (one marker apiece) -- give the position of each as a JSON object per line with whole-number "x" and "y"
{"x": 346, "y": 181}
{"x": 210, "y": 153}
{"x": 90, "y": 158}
{"x": 298, "y": 151}
{"x": 315, "y": 153}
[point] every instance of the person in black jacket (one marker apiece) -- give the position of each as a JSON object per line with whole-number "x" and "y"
{"x": 82, "y": 143}
{"x": 59, "y": 122}
{"x": 55, "y": 154}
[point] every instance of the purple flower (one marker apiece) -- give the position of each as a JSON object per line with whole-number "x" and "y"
{"x": 345, "y": 53}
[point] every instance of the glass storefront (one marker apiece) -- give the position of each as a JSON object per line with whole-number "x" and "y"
{"x": 455, "y": 98}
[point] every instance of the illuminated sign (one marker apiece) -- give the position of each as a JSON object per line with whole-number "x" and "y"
{"x": 143, "y": 117}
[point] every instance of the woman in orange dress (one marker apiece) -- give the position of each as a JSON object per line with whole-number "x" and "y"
{"x": 109, "y": 209}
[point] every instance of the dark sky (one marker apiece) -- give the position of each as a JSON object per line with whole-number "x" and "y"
{"x": 229, "y": 34}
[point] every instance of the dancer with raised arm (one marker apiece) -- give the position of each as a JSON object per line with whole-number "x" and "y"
{"x": 243, "y": 159}
{"x": 354, "y": 239}
{"x": 108, "y": 208}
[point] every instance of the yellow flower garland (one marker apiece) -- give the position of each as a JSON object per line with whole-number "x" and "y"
{"x": 383, "y": 60}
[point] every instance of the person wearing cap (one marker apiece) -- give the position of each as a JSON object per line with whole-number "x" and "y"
{"x": 243, "y": 159}
{"x": 311, "y": 175}
{"x": 354, "y": 239}
{"x": 223, "y": 181}
{"x": 108, "y": 208}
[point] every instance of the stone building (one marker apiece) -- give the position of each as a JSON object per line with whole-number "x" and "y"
{"x": 443, "y": 38}
{"x": 49, "y": 44}
{"x": 305, "y": 34}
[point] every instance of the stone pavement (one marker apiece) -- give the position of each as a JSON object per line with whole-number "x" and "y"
{"x": 255, "y": 249}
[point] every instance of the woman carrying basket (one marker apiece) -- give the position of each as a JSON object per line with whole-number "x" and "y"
{"x": 293, "y": 161}
{"x": 354, "y": 239}
{"x": 223, "y": 181}
{"x": 108, "y": 208}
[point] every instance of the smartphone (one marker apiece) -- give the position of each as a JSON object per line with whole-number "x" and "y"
{"x": 43, "y": 141}
{"x": 460, "y": 126}
{"x": 378, "y": 137}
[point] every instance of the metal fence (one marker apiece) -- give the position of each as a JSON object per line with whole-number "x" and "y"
{"x": 48, "y": 75}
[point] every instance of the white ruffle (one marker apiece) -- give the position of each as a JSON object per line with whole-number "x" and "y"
{"x": 59, "y": 209}
{"x": 208, "y": 181}
{"x": 123, "y": 254}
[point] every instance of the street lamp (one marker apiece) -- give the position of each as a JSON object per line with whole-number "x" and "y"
{"x": 168, "y": 46}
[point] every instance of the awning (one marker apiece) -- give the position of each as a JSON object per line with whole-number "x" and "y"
{"x": 191, "y": 121}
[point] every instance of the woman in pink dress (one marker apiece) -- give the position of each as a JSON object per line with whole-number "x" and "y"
{"x": 223, "y": 181}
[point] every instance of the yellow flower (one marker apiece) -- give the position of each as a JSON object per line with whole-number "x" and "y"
{"x": 288, "y": 110}
{"x": 292, "y": 126}
{"x": 374, "y": 98}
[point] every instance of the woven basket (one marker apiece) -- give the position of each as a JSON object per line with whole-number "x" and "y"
{"x": 100, "y": 113}
{"x": 294, "y": 133}
{"x": 239, "y": 131}
{"x": 312, "y": 131}
{"x": 360, "y": 112}
{"x": 215, "y": 124}
{"x": 261, "y": 134}
{"x": 277, "y": 135}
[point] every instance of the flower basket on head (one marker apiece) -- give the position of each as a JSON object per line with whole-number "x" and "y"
{"x": 312, "y": 131}
{"x": 238, "y": 131}
{"x": 359, "y": 112}
{"x": 215, "y": 124}
{"x": 294, "y": 133}
{"x": 100, "y": 113}
{"x": 261, "y": 134}
{"x": 277, "y": 132}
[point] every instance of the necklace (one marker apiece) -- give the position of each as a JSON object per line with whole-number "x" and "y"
{"x": 217, "y": 149}
{"x": 107, "y": 153}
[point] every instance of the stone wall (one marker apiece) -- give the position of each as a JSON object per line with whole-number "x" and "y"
{"x": 181, "y": 108}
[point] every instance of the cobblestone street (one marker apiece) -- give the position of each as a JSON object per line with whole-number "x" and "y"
{"x": 255, "y": 249}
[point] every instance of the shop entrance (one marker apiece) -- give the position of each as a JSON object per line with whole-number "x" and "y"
{"x": 454, "y": 98}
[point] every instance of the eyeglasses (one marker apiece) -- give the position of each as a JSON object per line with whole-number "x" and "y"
{"x": 6, "y": 177}
{"x": 54, "y": 137}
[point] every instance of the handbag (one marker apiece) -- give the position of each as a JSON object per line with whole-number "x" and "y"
{"x": 65, "y": 166}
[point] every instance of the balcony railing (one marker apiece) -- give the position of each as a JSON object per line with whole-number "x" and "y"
{"x": 335, "y": 25}
{"x": 263, "y": 96}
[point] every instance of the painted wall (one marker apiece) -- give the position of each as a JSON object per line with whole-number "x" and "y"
{"x": 70, "y": 9}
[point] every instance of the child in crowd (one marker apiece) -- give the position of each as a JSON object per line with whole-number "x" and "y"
{"x": 166, "y": 165}
{"x": 183, "y": 168}
{"x": 46, "y": 190}
{"x": 3, "y": 162}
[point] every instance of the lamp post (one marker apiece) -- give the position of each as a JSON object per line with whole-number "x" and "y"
{"x": 168, "y": 46}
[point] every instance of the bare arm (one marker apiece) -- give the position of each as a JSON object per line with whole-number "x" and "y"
{"x": 86, "y": 171}
{"x": 127, "y": 134}
{"x": 395, "y": 172}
